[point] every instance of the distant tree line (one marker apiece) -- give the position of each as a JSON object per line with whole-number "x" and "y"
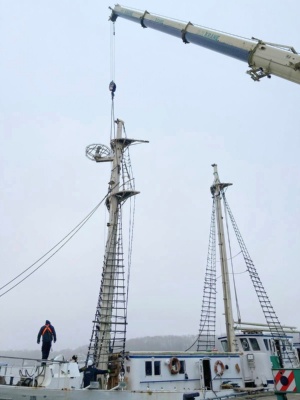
{"x": 148, "y": 343}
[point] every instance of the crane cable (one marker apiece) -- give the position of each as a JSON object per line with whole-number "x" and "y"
{"x": 112, "y": 85}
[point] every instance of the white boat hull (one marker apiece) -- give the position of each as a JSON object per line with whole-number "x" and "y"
{"x": 21, "y": 393}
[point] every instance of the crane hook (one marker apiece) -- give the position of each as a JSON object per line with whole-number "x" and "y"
{"x": 112, "y": 88}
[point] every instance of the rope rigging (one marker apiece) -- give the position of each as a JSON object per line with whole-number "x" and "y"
{"x": 61, "y": 244}
{"x": 232, "y": 271}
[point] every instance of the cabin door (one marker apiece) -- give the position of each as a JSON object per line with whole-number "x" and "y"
{"x": 278, "y": 351}
{"x": 205, "y": 373}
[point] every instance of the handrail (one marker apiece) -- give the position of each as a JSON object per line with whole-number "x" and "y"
{"x": 36, "y": 359}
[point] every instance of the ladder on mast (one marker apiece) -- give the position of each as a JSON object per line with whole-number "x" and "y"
{"x": 108, "y": 339}
{"x": 207, "y": 329}
{"x": 285, "y": 349}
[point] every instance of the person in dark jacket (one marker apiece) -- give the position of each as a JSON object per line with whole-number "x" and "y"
{"x": 48, "y": 334}
{"x": 90, "y": 373}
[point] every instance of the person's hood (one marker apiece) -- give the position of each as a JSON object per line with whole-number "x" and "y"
{"x": 48, "y": 322}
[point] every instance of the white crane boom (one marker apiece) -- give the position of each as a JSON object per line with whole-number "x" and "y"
{"x": 264, "y": 59}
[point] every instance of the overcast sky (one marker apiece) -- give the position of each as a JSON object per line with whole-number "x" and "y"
{"x": 196, "y": 108}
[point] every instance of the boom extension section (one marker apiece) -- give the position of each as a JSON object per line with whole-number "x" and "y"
{"x": 264, "y": 59}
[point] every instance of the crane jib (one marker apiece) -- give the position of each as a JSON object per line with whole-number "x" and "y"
{"x": 209, "y": 41}
{"x": 264, "y": 59}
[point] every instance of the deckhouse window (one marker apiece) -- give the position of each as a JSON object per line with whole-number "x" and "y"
{"x": 224, "y": 345}
{"x": 152, "y": 367}
{"x": 266, "y": 343}
{"x": 182, "y": 367}
{"x": 254, "y": 344}
{"x": 245, "y": 344}
{"x": 156, "y": 367}
{"x": 148, "y": 368}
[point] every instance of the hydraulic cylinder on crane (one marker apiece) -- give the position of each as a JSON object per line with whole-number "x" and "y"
{"x": 263, "y": 58}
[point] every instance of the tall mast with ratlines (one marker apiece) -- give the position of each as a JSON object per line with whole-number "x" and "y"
{"x": 107, "y": 343}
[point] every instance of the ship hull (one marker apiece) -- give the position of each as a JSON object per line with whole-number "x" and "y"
{"x": 21, "y": 393}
